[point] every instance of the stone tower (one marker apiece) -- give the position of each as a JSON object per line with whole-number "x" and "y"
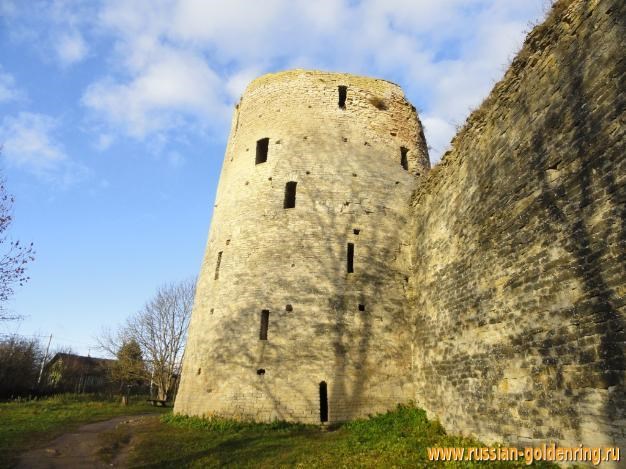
{"x": 300, "y": 308}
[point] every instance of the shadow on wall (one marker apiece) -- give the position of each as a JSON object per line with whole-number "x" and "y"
{"x": 548, "y": 140}
{"x": 598, "y": 157}
{"x": 341, "y": 339}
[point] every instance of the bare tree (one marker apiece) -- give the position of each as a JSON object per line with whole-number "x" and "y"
{"x": 160, "y": 329}
{"x": 15, "y": 257}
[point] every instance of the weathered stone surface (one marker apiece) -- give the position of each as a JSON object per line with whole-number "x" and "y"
{"x": 347, "y": 165}
{"x": 519, "y": 241}
{"x": 494, "y": 296}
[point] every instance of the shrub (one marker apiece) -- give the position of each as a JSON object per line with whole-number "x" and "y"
{"x": 20, "y": 360}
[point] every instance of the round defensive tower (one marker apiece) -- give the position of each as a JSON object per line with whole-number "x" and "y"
{"x": 300, "y": 308}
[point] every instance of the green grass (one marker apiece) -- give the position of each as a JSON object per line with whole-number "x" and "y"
{"x": 395, "y": 439}
{"x": 29, "y": 424}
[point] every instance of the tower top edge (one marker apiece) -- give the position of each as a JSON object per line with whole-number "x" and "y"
{"x": 308, "y": 74}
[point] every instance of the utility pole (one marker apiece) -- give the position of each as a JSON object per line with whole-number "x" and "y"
{"x": 43, "y": 362}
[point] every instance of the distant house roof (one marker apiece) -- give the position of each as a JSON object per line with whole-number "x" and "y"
{"x": 85, "y": 364}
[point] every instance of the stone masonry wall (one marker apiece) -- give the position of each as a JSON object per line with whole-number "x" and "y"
{"x": 351, "y": 188}
{"x": 519, "y": 246}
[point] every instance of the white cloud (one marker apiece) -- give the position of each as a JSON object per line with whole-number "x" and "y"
{"x": 458, "y": 83}
{"x": 236, "y": 83}
{"x": 183, "y": 62}
{"x": 161, "y": 96}
{"x": 29, "y": 142}
{"x": 438, "y": 135}
{"x": 71, "y": 48}
{"x": 8, "y": 90}
{"x": 104, "y": 141}
{"x": 54, "y": 29}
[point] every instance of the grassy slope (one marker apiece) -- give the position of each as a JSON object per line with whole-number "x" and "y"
{"x": 395, "y": 439}
{"x": 29, "y": 424}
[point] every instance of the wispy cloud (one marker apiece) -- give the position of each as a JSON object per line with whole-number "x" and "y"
{"x": 439, "y": 132}
{"x": 8, "y": 89}
{"x": 104, "y": 141}
{"x": 28, "y": 142}
{"x": 161, "y": 95}
{"x": 55, "y": 29}
{"x": 178, "y": 65}
{"x": 237, "y": 82}
{"x": 182, "y": 59}
{"x": 71, "y": 48}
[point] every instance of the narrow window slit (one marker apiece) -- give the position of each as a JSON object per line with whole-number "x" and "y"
{"x": 323, "y": 402}
{"x": 356, "y": 231}
{"x": 261, "y": 150}
{"x": 361, "y": 307}
{"x": 217, "y": 265}
{"x": 290, "y": 194}
{"x": 343, "y": 93}
{"x": 350, "y": 258}
{"x": 265, "y": 320}
{"x": 403, "y": 158}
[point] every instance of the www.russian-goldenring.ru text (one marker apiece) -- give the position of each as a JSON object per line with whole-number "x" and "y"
{"x": 550, "y": 453}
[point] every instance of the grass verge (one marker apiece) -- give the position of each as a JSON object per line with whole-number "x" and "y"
{"x": 394, "y": 439}
{"x": 29, "y": 424}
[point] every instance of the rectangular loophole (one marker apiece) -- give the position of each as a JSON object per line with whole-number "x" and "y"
{"x": 323, "y": 402}
{"x": 350, "y": 258}
{"x": 343, "y": 94}
{"x": 290, "y": 195}
{"x": 217, "y": 265}
{"x": 261, "y": 150}
{"x": 404, "y": 161}
{"x": 265, "y": 322}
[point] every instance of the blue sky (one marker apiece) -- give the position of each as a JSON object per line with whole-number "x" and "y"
{"x": 114, "y": 118}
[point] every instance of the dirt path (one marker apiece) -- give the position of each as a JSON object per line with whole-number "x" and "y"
{"x": 89, "y": 446}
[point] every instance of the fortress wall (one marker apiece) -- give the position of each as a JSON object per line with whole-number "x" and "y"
{"x": 347, "y": 166}
{"x": 520, "y": 246}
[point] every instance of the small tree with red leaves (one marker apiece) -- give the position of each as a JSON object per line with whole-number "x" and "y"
{"x": 14, "y": 256}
